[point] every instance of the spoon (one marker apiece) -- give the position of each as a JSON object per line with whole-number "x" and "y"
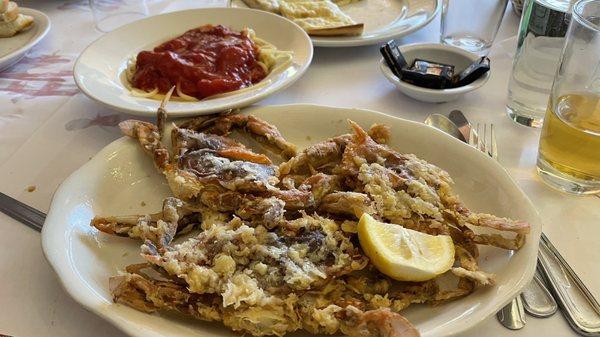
{"x": 537, "y": 300}
{"x": 512, "y": 316}
{"x": 442, "y": 123}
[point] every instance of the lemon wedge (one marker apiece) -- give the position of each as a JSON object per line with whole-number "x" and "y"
{"x": 404, "y": 254}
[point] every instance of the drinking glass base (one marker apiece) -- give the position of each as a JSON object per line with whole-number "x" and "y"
{"x": 524, "y": 119}
{"x": 114, "y": 21}
{"x": 564, "y": 182}
{"x": 472, "y": 44}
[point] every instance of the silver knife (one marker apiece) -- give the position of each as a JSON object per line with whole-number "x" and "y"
{"x": 21, "y": 212}
{"x": 575, "y": 300}
{"x": 462, "y": 123}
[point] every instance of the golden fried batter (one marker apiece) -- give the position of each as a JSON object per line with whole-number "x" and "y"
{"x": 277, "y": 249}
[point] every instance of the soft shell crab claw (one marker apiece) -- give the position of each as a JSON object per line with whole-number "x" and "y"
{"x": 149, "y": 138}
{"x": 159, "y": 228}
{"x": 262, "y": 131}
{"x": 380, "y": 323}
{"x": 149, "y": 135}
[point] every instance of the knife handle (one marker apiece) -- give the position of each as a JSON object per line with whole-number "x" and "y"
{"x": 21, "y": 212}
{"x": 575, "y": 300}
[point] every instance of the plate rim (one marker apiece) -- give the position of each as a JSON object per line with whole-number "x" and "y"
{"x": 196, "y": 109}
{"x": 65, "y": 272}
{"x": 18, "y": 53}
{"x": 356, "y": 41}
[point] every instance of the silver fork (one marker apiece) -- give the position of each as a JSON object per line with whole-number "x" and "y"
{"x": 484, "y": 143}
{"x": 512, "y": 315}
{"x": 577, "y": 303}
{"x": 535, "y": 298}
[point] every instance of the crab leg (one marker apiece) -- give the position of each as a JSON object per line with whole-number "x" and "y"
{"x": 202, "y": 122}
{"x": 321, "y": 185}
{"x": 380, "y": 133}
{"x": 264, "y": 132}
{"x": 160, "y": 228}
{"x": 350, "y": 203}
{"x": 185, "y": 140}
{"x": 380, "y": 322}
{"x": 328, "y": 152}
{"x": 161, "y": 114}
{"x": 149, "y": 295}
{"x": 149, "y": 135}
{"x": 464, "y": 218}
{"x": 149, "y": 138}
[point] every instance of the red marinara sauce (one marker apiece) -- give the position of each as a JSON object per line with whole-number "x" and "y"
{"x": 204, "y": 61}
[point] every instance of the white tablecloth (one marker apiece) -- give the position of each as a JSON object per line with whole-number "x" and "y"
{"x": 48, "y": 129}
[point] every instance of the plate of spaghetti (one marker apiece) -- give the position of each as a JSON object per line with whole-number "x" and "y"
{"x": 214, "y": 59}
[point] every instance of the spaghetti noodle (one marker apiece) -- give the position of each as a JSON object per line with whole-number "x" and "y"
{"x": 207, "y": 62}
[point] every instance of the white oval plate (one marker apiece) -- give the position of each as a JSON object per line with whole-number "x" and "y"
{"x": 12, "y": 49}
{"x": 383, "y": 19}
{"x": 121, "y": 176}
{"x": 99, "y": 69}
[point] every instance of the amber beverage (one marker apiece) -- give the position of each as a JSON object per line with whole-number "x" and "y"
{"x": 570, "y": 141}
{"x": 569, "y": 153}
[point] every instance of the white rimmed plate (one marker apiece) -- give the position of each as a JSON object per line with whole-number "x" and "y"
{"x": 120, "y": 177}
{"x": 12, "y": 49}
{"x": 99, "y": 69}
{"x": 383, "y": 19}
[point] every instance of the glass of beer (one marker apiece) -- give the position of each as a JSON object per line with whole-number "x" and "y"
{"x": 569, "y": 153}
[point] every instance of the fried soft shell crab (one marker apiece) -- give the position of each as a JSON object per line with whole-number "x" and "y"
{"x": 277, "y": 249}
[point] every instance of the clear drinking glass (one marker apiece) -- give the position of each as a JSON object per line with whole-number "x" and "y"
{"x": 111, "y": 14}
{"x": 569, "y": 154}
{"x": 471, "y": 25}
{"x": 541, "y": 39}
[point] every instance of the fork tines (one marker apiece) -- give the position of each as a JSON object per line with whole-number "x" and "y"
{"x": 483, "y": 140}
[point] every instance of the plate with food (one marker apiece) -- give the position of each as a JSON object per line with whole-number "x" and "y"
{"x": 347, "y": 23}
{"x": 214, "y": 58}
{"x": 291, "y": 218}
{"x": 20, "y": 30}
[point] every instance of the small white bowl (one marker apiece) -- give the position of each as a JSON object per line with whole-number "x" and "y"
{"x": 440, "y": 53}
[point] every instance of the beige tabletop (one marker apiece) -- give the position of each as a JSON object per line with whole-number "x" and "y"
{"x": 48, "y": 129}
